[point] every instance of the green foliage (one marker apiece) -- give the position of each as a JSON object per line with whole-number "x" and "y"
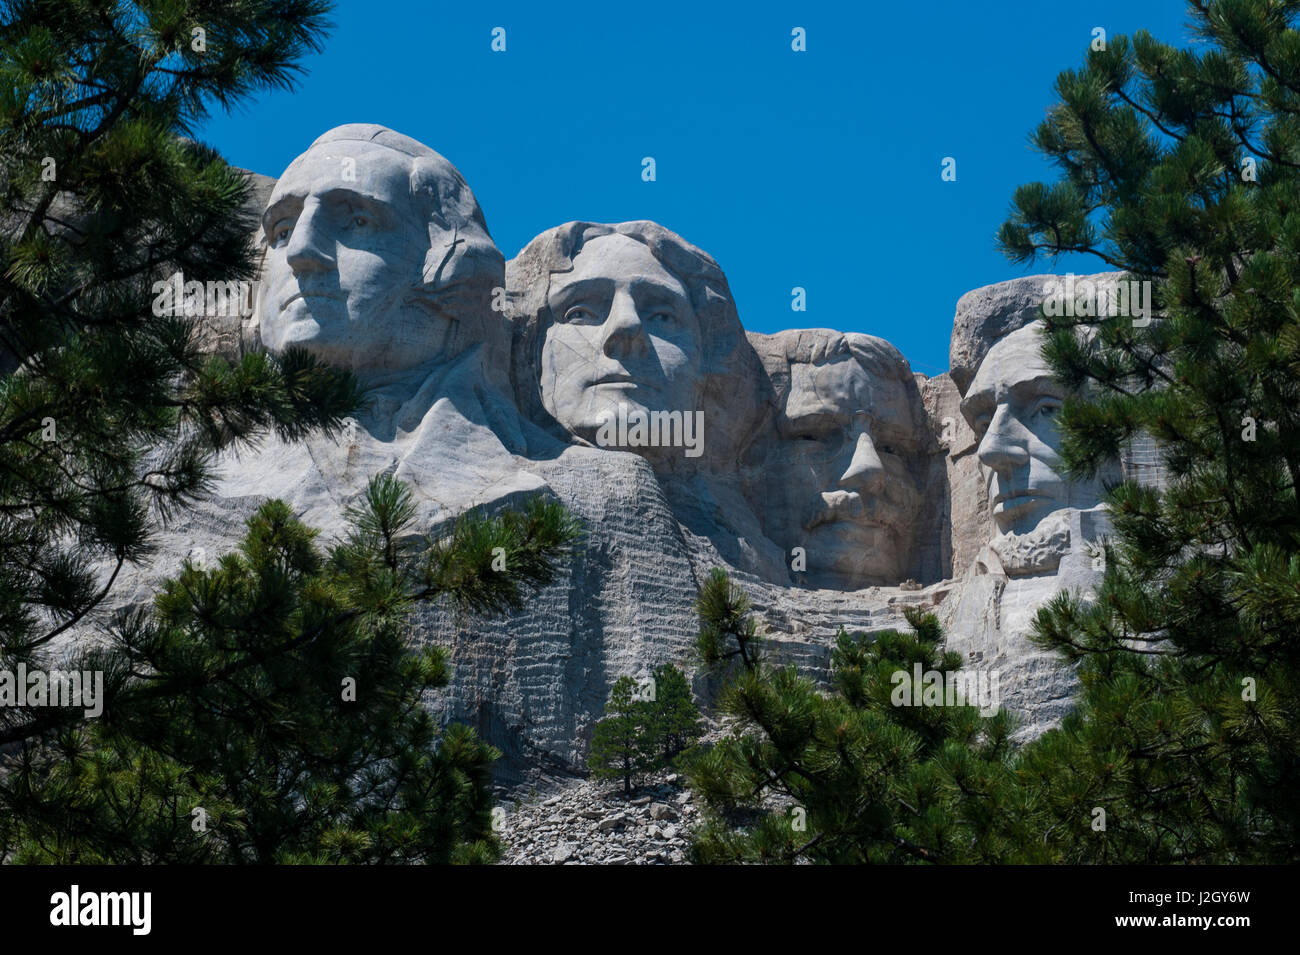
{"x": 111, "y": 415}
{"x": 623, "y": 745}
{"x": 278, "y": 692}
{"x": 727, "y": 631}
{"x": 1186, "y": 732}
{"x": 846, "y": 775}
{"x": 645, "y": 728}
{"x": 228, "y": 696}
{"x": 674, "y": 721}
{"x": 464, "y": 564}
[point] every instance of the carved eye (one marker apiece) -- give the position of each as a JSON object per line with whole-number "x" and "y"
{"x": 581, "y": 315}
{"x": 1048, "y": 409}
{"x": 281, "y": 231}
{"x": 818, "y": 447}
{"x": 663, "y": 315}
{"x": 359, "y": 222}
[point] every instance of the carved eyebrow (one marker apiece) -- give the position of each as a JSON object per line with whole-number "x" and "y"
{"x": 1038, "y": 386}
{"x": 380, "y": 209}
{"x": 352, "y": 195}
{"x": 810, "y": 423}
{"x": 980, "y": 401}
{"x": 809, "y": 420}
{"x": 976, "y": 404}
{"x": 291, "y": 202}
{"x": 278, "y": 209}
{"x": 575, "y": 287}
{"x": 645, "y": 285}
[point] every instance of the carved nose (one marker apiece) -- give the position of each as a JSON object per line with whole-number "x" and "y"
{"x": 624, "y": 334}
{"x": 307, "y": 244}
{"x": 1003, "y": 446}
{"x": 866, "y": 472}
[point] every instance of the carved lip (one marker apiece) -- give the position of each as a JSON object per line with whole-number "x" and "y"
{"x": 1022, "y": 492}
{"x": 617, "y": 378}
{"x": 849, "y": 507}
{"x": 1022, "y": 500}
{"x": 306, "y": 295}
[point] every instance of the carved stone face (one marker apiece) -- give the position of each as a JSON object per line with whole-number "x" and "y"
{"x": 623, "y": 331}
{"x": 346, "y": 252}
{"x": 1012, "y": 405}
{"x": 847, "y": 432}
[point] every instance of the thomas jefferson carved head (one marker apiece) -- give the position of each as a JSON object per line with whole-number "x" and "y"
{"x": 628, "y": 314}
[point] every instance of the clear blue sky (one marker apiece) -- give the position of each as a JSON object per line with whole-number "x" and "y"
{"x": 818, "y": 169}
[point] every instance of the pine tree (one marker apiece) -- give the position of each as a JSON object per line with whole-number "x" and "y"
{"x": 727, "y": 631}
{"x": 623, "y": 744}
{"x": 272, "y": 706}
{"x": 228, "y": 733}
{"x": 674, "y": 718}
{"x": 845, "y": 774}
{"x": 1182, "y": 167}
{"x": 110, "y": 414}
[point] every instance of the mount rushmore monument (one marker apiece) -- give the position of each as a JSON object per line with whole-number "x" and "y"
{"x": 606, "y": 366}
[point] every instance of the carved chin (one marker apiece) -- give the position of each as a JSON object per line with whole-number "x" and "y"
{"x": 593, "y": 411}
{"x": 326, "y": 342}
{"x": 298, "y": 331}
{"x": 1036, "y": 552}
{"x": 853, "y": 554}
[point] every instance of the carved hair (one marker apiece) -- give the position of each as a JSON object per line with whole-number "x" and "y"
{"x": 729, "y": 362}
{"x": 462, "y": 264}
{"x": 818, "y": 346}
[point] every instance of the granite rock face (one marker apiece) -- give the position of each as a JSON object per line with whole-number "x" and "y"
{"x": 839, "y": 472}
{"x": 606, "y": 366}
{"x": 986, "y": 314}
{"x": 1044, "y": 528}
